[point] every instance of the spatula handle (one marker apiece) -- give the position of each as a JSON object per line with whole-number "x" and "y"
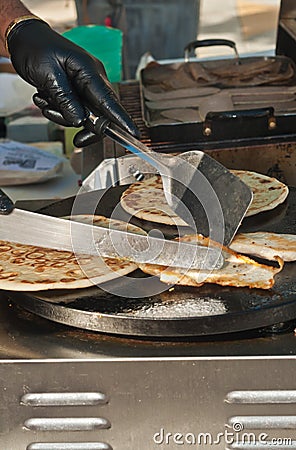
{"x": 102, "y": 125}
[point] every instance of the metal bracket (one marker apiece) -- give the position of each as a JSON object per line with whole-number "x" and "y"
{"x": 118, "y": 171}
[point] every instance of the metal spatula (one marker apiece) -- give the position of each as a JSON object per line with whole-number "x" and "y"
{"x": 201, "y": 191}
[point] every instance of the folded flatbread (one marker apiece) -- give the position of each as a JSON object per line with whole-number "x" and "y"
{"x": 266, "y": 245}
{"x": 238, "y": 270}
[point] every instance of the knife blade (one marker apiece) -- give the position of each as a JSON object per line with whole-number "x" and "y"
{"x": 31, "y": 228}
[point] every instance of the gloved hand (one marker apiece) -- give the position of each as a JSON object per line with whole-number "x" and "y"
{"x": 70, "y": 82}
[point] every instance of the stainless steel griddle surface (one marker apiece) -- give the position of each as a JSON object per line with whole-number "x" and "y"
{"x": 209, "y": 310}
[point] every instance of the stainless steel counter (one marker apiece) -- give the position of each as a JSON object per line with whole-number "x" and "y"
{"x": 66, "y": 389}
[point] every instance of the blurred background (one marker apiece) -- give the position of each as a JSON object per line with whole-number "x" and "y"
{"x": 163, "y": 28}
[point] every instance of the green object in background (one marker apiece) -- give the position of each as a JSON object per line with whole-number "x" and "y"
{"x": 104, "y": 43}
{"x": 69, "y": 134}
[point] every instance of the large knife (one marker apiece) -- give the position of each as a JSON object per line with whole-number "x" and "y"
{"x": 30, "y": 228}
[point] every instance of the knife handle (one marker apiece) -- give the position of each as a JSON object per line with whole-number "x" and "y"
{"x": 6, "y": 204}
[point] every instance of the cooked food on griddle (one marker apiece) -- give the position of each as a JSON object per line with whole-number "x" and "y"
{"x": 145, "y": 200}
{"x": 238, "y": 270}
{"x": 268, "y": 192}
{"x": 266, "y": 245}
{"x": 29, "y": 268}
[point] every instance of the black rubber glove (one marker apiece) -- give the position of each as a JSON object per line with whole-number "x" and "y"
{"x": 70, "y": 82}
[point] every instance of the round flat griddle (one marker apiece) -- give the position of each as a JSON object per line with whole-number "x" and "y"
{"x": 182, "y": 311}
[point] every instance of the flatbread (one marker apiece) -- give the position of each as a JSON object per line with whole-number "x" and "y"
{"x": 238, "y": 270}
{"x": 30, "y": 268}
{"x": 146, "y": 199}
{"x": 266, "y": 245}
{"x": 268, "y": 192}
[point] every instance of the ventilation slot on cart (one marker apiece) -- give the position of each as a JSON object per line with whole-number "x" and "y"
{"x": 264, "y": 446}
{"x": 261, "y": 397}
{"x": 260, "y": 432}
{"x": 70, "y": 446}
{"x": 64, "y": 399}
{"x": 67, "y": 424}
{"x": 263, "y": 422}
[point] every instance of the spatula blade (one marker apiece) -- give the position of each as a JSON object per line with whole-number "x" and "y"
{"x": 198, "y": 188}
{"x": 208, "y": 196}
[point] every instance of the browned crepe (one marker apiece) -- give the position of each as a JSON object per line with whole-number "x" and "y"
{"x": 238, "y": 270}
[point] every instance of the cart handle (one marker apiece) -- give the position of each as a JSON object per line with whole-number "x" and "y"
{"x": 209, "y": 43}
{"x": 214, "y": 116}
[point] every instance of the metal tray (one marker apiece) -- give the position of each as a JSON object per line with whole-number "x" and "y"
{"x": 182, "y": 111}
